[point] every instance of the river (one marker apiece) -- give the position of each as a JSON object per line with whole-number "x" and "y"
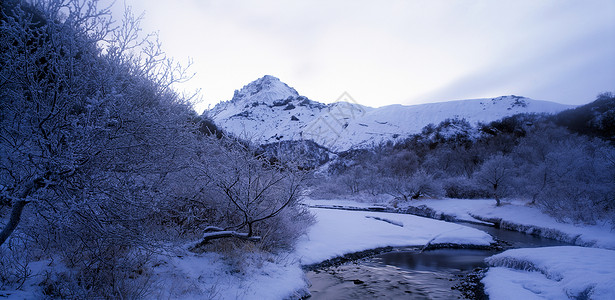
{"x": 410, "y": 273}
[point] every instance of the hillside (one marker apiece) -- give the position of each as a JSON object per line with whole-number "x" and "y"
{"x": 268, "y": 110}
{"x": 594, "y": 119}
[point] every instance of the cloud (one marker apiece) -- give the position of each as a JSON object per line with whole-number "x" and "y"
{"x": 401, "y": 52}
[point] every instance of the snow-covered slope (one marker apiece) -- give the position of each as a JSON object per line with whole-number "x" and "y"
{"x": 268, "y": 110}
{"x": 265, "y": 111}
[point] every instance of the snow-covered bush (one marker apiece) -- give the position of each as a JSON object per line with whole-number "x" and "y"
{"x": 102, "y": 163}
{"x": 89, "y": 133}
{"x": 14, "y": 260}
{"x": 571, "y": 177}
{"x": 579, "y": 183}
{"x": 420, "y": 185}
{"x": 325, "y": 187}
{"x": 464, "y": 188}
{"x": 258, "y": 197}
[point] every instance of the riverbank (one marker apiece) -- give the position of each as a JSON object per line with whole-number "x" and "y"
{"x": 182, "y": 274}
{"x": 582, "y": 271}
{"x": 512, "y": 215}
{"x": 339, "y": 232}
{"x": 337, "y": 237}
{"x": 565, "y": 272}
{"x": 341, "y": 235}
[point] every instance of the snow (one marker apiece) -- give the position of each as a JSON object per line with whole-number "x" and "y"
{"x": 38, "y": 271}
{"x": 338, "y": 232}
{"x": 342, "y": 203}
{"x": 383, "y": 123}
{"x": 532, "y": 273}
{"x": 507, "y": 284}
{"x": 186, "y": 275}
{"x": 536, "y": 273}
{"x": 515, "y": 215}
{"x": 191, "y": 276}
{"x": 551, "y": 273}
{"x": 339, "y": 126}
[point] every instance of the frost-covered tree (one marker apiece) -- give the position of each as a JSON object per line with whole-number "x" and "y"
{"x": 258, "y": 196}
{"x": 421, "y": 184}
{"x": 569, "y": 176}
{"x": 90, "y": 134}
{"x": 579, "y": 178}
{"x": 101, "y": 162}
{"x": 496, "y": 174}
{"x": 531, "y": 159}
{"x": 78, "y": 121}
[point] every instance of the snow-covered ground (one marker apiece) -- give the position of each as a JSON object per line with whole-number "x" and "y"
{"x": 537, "y": 273}
{"x": 541, "y": 273}
{"x": 212, "y": 276}
{"x": 338, "y": 232}
{"x": 519, "y": 216}
{"x": 513, "y": 215}
{"x": 567, "y": 272}
{"x": 186, "y": 275}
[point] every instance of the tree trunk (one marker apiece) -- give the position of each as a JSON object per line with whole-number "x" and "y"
{"x": 18, "y": 207}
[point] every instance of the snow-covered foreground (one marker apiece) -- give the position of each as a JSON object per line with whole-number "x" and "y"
{"x": 541, "y": 273}
{"x": 514, "y": 215}
{"x": 211, "y": 276}
{"x": 338, "y": 232}
{"x": 186, "y": 275}
{"x": 551, "y": 273}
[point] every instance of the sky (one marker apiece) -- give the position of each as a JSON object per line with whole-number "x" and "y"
{"x": 391, "y": 52}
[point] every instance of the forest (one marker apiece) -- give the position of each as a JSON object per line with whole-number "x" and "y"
{"x": 563, "y": 163}
{"x": 103, "y": 164}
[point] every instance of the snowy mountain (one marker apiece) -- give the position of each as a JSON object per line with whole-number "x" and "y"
{"x": 268, "y": 110}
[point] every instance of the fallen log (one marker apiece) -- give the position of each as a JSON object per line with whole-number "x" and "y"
{"x": 214, "y": 233}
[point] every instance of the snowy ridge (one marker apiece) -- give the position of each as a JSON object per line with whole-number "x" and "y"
{"x": 268, "y": 110}
{"x": 266, "y": 89}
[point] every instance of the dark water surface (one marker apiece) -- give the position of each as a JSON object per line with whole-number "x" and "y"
{"x": 411, "y": 274}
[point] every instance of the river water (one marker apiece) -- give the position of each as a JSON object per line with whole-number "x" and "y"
{"x": 411, "y": 274}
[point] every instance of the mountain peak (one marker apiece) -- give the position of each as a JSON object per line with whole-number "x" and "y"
{"x": 266, "y": 89}
{"x": 269, "y": 111}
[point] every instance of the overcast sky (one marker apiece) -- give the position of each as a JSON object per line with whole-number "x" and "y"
{"x": 387, "y": 52}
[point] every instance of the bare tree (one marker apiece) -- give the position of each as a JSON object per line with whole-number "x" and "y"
{"x": 420, "y": 184}
{"x": 496, "y": 173}
{"x": 255, "y": 189}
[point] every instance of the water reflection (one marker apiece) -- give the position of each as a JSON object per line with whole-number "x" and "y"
{"x": 411, "y": 274}
{"x": 434, "y": 260}
{"x": 517, "y": 239}
{"x": 372, "y": 280}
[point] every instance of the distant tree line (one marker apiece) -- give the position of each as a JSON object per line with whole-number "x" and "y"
{"x": 563, "y": 163}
